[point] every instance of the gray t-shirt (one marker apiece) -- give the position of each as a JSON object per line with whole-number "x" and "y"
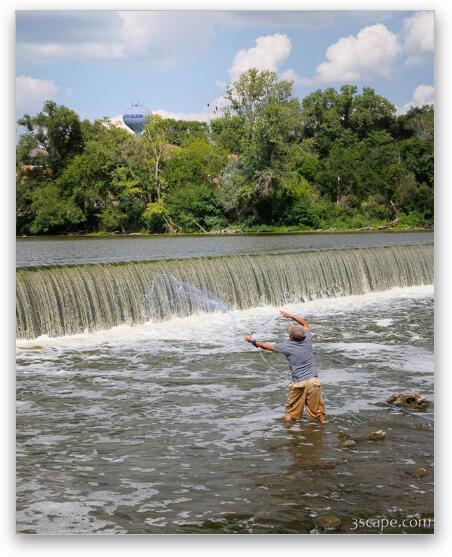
{"x": 300, "y": 357}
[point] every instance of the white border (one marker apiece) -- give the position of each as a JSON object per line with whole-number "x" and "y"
{"x": 224, "y": 545}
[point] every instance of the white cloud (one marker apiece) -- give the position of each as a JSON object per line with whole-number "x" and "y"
{"x": 268, "y": 53}
{"x": 373, "y": 51}
{"x": 214, "y": 109}
{"x": 137, "y": 30}
{"x": 291, "y": 75}
{"x": 199, "y": 116}
{"x": 119, "y": 123}
{"x": 418, "y": 37}
{"x": 31, "y": 94}
{"x": 422, "y": 95}
{"x": 163, "y": 37}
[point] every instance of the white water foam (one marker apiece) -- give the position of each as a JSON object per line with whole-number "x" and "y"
{"x": 216, "y": 328}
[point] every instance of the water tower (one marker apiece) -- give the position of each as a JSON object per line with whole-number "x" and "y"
{"x": 135, "y": 117}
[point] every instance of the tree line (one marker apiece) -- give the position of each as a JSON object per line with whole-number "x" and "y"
{"x": 335, "y": 159}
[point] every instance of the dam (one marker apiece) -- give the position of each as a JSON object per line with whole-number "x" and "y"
{"x": 69, "y": 299}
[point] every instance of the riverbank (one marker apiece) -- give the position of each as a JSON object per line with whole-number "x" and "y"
{"x": 259, "y": 231}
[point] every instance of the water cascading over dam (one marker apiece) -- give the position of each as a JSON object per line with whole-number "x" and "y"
{"x": 64, "y": 300}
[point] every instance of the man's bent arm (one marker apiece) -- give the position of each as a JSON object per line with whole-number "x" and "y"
{"x": 303, "y": 322}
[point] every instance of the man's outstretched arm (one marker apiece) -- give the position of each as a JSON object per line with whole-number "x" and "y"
{"x": 303, "y": 322}
{"x": 258, "y": 343}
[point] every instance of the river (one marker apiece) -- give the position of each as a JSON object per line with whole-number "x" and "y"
{"x": 66, "y": 251}
{"x": 173, "y": 424}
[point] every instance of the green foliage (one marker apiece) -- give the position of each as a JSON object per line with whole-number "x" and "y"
{"x": 194, "y": 207}
{"x": 124, "y": 203}
{"x": 52, "y": 137}
{"x": 196, "y": 162}
{"x": 52, "y": 213}
{"x": 414, "y": 219}
{"x": 228, "y": 132}
{"x": 183, "y": 130}
{"x": 154, "y": 217}
{"x": 303, "y": 213}
{"x": 156, "y": 138}
{"x": 337, "y": 159}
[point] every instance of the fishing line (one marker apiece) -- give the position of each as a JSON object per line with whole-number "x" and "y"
{"x": 407, "y": 411}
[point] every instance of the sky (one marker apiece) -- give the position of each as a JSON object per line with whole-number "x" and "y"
{"x": 178, "y": 63}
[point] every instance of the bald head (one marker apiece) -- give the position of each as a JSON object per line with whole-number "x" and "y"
{"x": 296, "y": 332}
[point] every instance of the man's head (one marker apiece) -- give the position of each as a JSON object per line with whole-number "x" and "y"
{"x": 296, "y": 332}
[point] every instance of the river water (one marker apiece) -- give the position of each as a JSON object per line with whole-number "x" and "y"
{"x": 64, "y": 250}
{"x": 176, "y": 426}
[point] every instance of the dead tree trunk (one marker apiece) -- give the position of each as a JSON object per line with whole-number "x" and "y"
{"x": 396, "y": 214}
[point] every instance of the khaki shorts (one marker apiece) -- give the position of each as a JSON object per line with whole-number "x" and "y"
{"x": 307, "y": 393}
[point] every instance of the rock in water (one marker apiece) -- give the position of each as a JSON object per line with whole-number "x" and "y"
{"x": 416, "y": 472}
{"x": 377, "y": 435}
{"x": 414, "y": 401}
{"x": 347, "y": 444}
{"x": 328, "y": 522}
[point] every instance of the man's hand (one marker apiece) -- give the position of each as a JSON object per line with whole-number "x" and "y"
{"x": 286, "y": 314}
{"x": 299, "y": 320}
{"x": 259, "y": 344}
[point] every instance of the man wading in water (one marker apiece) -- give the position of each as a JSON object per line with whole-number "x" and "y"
{"x": 305, "y": 385}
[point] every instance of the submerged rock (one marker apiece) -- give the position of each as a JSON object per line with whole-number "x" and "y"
{"x": 377, "y": 435}
{"x": 328, "y": 522}
{"x": 347, "y": 444}
{"x": 416, "y": 472}
{"x": 414, "y": 401}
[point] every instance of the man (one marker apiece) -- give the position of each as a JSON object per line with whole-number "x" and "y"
{"x": 305, "y": 386}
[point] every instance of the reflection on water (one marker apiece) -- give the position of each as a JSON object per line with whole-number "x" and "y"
{"x": 178, "y": 427}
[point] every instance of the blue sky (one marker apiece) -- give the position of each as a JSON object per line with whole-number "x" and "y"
{"x": 176, "y": 63}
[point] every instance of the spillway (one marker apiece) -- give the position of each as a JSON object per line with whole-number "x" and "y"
{"x": 63, "y": 300}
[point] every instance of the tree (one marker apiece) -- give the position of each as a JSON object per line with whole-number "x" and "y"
{"x": 419, "y": 123}
{"x": 338, "y": 158}
{"x": 195, "y": 162}
{"x": 87, "y": 179}
{"x": 253, "y": 90}
{"x": 125, "y": 203}
{"x": 268, "y": 119}
{"x": 328, "y": 114}
{"x": 52, "y": 137}
{"x": 228, "y": 132}
{"x": 371, "y": 112}
{"x": 194, "y": 208}
{"x": 53, "y": 213}
{"x": 183, "y": 130}
{"x": 156, "y": 136}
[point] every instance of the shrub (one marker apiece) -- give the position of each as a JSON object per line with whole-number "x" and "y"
{"x": 303, "y": 213}
{"x": 153, "y": 217}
